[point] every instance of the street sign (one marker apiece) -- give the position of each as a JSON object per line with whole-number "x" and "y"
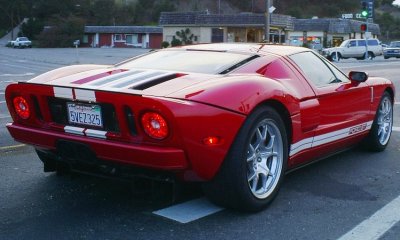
{"x": 352, "y": 15}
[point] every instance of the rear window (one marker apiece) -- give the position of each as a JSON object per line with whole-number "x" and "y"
{"x": 210, "y": 62}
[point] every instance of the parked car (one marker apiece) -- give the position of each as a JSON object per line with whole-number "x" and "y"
{"x": 236, "y": 117}
{"x": 393, "y": 50}
{"x": 354, "y": 48}
{"x": 21, "y": 42}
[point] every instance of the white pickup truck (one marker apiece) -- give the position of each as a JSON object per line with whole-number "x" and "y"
{"x": 21, "y": 42}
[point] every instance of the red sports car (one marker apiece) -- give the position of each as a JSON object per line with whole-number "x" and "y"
{"x": 234, "y": 116}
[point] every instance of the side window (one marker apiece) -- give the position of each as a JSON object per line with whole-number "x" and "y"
{"x": 352, "y": 44}
{"x": 373, "y": 42}
{"x": 361, "y": 43}
{"x": 314, "y": 69}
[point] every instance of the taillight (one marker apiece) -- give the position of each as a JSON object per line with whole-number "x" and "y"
{"x": 155, "y": 125}
{"x": 21, "y": 107}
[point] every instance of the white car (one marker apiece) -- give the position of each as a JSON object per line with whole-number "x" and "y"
{"x": 21, "y": 42}
{"x": 354, "y": 48}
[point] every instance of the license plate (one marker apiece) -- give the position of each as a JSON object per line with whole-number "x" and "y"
{"x": 85, "y": 114}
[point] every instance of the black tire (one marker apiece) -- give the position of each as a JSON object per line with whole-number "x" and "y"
{"x": 370, "y": 56}
{"x": 249, "y": 163}
{"x": 381, "y": 130}
{"x": 386, "y": 57}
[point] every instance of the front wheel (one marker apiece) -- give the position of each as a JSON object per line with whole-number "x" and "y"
{"x": 335, "y": 57}
{"x": 381, "y": 129}
{"x": 251, "y": 175}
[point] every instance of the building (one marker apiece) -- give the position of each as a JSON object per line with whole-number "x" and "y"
{"x": 326, "y": 32}
{"x": 122, "y": 36}
{"x": 210, "y": 28}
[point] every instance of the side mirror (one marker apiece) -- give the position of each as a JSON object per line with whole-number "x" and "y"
{"x": 358, "y": 77}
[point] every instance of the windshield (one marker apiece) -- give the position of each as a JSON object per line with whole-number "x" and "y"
{"x": 344, "y": 43}
{"x": 395, "y": 44}
{"x": 189, "y": 61}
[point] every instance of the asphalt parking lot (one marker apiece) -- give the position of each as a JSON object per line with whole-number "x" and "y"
{"x": 353, "y": 195}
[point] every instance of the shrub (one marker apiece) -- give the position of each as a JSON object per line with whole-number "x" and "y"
{"x": 176, "y": 42}
{"x": 164, "y": 44}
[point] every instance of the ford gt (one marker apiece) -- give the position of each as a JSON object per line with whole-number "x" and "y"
{"x": 235, "y": 117}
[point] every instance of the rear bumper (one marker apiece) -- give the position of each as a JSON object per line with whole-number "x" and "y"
{"x": 144, "y": 156}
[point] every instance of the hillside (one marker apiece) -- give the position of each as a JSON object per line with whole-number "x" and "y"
{"x": 71, "y": 15}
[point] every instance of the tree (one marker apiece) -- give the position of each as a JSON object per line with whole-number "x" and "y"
{"x": 62, "y": 32}
{"x": 12, "y": 13}
{"x": 186, "y": 37}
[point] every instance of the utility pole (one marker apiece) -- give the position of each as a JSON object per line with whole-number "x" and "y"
{"x": 267, "y": 20}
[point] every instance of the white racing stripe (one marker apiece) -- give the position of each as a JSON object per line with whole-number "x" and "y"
{"x": 328, "y": 137}
{"x": 85, "y": 95}
{"x": 74, "y": 130}
{"x": 95, "y": 133}
{"x": 378, "y": 224}
{"x": 189, "y": 211}
{"x": 62, "y": 92}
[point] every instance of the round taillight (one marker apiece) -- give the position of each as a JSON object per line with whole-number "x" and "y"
{"x": 21, "y": 107}
{"x": 155, "y": 125}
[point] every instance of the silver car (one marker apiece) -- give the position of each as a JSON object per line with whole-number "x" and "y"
{"x": 393, "y": 50}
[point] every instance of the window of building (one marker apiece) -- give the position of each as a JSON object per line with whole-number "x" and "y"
{"x": 118, "y": 38}
{"x": 132, "y": 39}
{"x": 85, "y": 39}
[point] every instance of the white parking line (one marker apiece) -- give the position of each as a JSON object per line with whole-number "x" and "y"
{"x": 4, "y": 117}
{"x": 397, "y": 103}
{"x": 189, "y": 211}
{"x": 396, "y": 129}
{"x": 376, "y": 225}
{"x": 2, "y": 102}
{"x": 12, "y": 147}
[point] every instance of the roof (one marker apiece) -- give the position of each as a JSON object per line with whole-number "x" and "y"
{"x": 222, "y": 20}
{"x": 330, "y": 25}
{"x": 281, "y": 50}
{"x": 123, "y": 29}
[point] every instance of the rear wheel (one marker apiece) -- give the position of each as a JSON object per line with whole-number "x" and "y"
{"x": 381, "y": 129}
{"x": 369, "y": 56}
{"x": 251, "y": 175}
